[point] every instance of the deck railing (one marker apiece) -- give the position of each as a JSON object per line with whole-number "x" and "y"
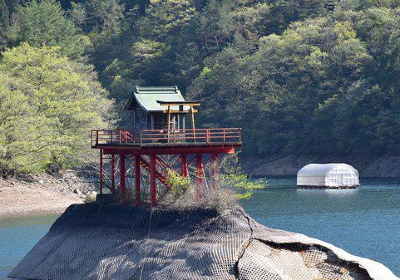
{"x": 149, "y": 137}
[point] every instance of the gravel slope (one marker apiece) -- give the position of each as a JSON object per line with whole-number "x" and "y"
{"x": 42, "y": 194}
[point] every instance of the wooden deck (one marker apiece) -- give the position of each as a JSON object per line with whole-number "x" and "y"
{"x": 188, "y": 138}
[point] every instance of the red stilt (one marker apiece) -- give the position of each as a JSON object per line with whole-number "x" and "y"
{"x": 215, "y": 172}
{"x": 113, "y": 173}
{"x": 122, "y": 178}
{"x": 137, "y": 180}
{"x": 153, "y": 180}
{"x": 101, "y": 171}
{"x": 185, "y": 171}
{"x": 199, "y": 160}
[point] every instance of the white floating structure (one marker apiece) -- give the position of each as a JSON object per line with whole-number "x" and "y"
{"x": 328, "y": 176}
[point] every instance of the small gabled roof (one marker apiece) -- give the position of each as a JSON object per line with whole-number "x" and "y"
{"x": 149, "y": 98}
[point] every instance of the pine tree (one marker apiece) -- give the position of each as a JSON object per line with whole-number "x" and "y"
{"x": 4, "y": 24}
{"x": 45, "y": 23}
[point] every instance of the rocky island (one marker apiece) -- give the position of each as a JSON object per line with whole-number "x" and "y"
{"x": 92, "y": 241}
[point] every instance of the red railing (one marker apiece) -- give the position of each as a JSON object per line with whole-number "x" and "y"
{"x": 149, "y": 137}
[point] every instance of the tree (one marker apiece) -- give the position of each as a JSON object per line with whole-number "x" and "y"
{"x": 4, "y": 23}
{"x": 101, "y": 19}
{"x": 4, "y": 14}
{"x": 45, "y": 23}
{"x": 24, "y": 135}
{"x": 156, "y": 48}
{"x": 233, "y": 179}
{"x": 63, "y": 94}
{"x": 273, "y": 92}
{"x": 299, "y": 76}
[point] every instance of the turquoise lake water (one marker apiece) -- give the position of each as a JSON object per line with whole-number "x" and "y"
{"x": 364, "y": 222}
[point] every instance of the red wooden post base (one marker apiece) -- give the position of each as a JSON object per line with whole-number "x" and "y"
{"x": 153, "y": 200}
{"x": 199, "y": 161}
{"x": 137, "y": 179}
{"x": 101, "y": 171}
{"x": 113, "y": 173}
{"x": 122, "y": 189}
{"x": 215, "y": 172}
{"x": 185, "y": 171}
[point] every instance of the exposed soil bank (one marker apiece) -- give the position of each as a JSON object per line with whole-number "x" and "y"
{"x": 133, "y": 243}
{"x": 42, "y": 194}
{"x": 367, "y": 166}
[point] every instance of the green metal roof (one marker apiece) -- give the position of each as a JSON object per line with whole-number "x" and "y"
{"x": 147, "y": 97}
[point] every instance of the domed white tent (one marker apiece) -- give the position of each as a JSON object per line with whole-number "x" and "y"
{"x": 330, "y": 175}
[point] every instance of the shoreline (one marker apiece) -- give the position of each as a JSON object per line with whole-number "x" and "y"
{"x": 42, "y": 194}
{"x": 288, "y": 166}
{"x": 47, "y": 194}
{"x": 6, "y": 215}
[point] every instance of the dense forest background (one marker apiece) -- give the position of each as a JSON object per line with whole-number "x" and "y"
{"x": 299, "y": 76}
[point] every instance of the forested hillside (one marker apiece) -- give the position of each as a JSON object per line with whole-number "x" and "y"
{"x": 301, "y": 76}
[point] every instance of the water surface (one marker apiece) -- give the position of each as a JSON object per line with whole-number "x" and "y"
{"x": 17, "y": 238}
{"x": 364, "y": 222}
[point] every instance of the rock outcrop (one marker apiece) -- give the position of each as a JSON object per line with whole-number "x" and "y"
{"x": 124, "y": 242}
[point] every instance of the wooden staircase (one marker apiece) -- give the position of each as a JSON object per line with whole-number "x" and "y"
{"x": 162, "y": 169}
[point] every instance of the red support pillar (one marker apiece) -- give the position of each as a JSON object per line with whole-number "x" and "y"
{"x": 153, "y": 200}
{"x": 215, "y": 172}
{"x": 101, "y": 171}
{"x": 137, "y": 179}
{"x": 185, "y": 171}
{"x": 122, "y": 178}
{"x": 113, "y": 173}
{"x": 199, "y": 160}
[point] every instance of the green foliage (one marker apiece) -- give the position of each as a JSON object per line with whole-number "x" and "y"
{"x": 24, "y": 135}
{"x": 155, "y": 48}
{"x": 4, "y": 14}
{"x": 299, "y": 76}
{"x": 180, "y": 184}
{"x": 99, "y": 18}
{"x": 280, "y": 93}
{"x": 45, "y": 23}
{"x": 243, "y": 186}
{"x": 271, "y": 68}
{"x": 4, "y": 24}
{"x": 51, "y": 103}
{"x": 239, "y": 185}
{"x": 232, "y": 178}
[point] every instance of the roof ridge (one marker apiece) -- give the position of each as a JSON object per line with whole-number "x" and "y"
{"x": 156, "y": 90}
{"x": 157, "y": 87}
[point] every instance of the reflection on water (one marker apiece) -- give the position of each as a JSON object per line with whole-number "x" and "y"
{"x": 329, "y": 192}
{"x": 365, "y": 221}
